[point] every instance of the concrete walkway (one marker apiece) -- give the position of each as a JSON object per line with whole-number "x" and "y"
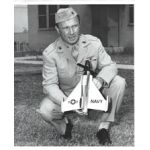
{"x": 37, "y": 68}
{"x": 123, "y": 66}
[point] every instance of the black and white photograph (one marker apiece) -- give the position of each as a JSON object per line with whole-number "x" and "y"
{"x": 74, "y": 75}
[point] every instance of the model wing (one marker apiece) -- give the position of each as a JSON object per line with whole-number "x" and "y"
{"x": 96, "y": 100}
{"x": 73, "y": 101}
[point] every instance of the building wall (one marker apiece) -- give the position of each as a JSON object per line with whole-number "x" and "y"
{"x": 105, "y": 24}
{"x": 39, "y": 40}
{"x": 20, "y": 18}
{"x": 21, "y": 37}
{"x": 99, "y": 22}
{"x": 111, "y": 25}
{"x": 86, "y": 17}
{"x": 20, "y": 24}
{"x": 126, "y": 31}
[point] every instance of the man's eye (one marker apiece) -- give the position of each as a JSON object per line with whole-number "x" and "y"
{"x": 75, "y": 26}
{"x": 66, "y": 28}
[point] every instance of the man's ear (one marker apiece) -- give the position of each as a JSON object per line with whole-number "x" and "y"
{"x": 56, "y": 27}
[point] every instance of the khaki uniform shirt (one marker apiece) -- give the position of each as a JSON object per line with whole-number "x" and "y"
{"x": 61, "y": 73}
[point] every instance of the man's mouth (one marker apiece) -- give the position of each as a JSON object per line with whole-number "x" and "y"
{"x": 72, "y": 38}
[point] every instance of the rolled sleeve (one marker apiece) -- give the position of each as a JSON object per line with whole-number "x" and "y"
{"x": 50, "y": 80}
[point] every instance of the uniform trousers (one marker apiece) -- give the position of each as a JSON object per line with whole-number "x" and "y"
{"x": 51, "y": 112}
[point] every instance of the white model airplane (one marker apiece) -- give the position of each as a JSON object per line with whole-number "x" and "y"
{"x": 85, "y": 95}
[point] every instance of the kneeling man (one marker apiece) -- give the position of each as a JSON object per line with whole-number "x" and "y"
{"x": 61, "y": 74}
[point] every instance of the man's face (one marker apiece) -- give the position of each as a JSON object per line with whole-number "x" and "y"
{"x": 69, "y": 30}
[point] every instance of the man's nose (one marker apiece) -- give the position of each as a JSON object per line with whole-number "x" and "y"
{"x": 71, "y": 31}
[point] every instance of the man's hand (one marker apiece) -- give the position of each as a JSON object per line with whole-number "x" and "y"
{"x": 80, "y": 112}
{"x": 97, "y": 83}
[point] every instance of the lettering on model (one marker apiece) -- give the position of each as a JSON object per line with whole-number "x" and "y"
{"x": 96, "y": 101}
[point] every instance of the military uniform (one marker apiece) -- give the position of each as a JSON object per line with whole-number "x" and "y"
{"x": 61, "y": 74}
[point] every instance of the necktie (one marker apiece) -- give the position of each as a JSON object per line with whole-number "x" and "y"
{"x": 75, "y": 52}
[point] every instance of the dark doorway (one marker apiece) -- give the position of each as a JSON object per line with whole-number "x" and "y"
{"x": 105, "y": 23}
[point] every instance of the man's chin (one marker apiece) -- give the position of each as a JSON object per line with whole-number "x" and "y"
{"x": 72, "y": 43}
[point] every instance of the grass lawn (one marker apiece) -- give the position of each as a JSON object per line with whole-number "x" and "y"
{"x": 31, "y": 130}
{"x": 123, "y": 59}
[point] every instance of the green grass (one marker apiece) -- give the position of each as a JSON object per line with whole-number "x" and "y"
{"x": 31, "y": 130}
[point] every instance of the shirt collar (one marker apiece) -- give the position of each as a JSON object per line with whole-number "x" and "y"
{"x": 83, "y": 41}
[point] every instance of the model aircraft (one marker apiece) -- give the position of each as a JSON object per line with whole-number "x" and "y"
{"x": 85, "y": 95}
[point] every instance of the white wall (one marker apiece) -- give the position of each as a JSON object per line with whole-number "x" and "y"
{"x": 20, "y": 18}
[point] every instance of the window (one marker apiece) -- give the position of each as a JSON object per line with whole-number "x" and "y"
{"x": 131, "y": 14}
{"x": 46, "y": 15}
{"x": 42, "y": 16}
{"x": 52, "y": 9}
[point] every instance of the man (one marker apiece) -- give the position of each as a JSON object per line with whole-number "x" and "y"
{"x": 61, "y": 74}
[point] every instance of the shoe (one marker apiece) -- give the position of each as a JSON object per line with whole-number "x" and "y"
{"x": 68, "y": 131}
{"x": 103, "y": 136}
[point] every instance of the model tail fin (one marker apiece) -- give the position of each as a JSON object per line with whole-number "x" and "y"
{"x": 96, "y": 100}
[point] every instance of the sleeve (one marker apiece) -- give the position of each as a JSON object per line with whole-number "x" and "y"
{"x": 50, "y": 81}
{"x": 107, "y": 69}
